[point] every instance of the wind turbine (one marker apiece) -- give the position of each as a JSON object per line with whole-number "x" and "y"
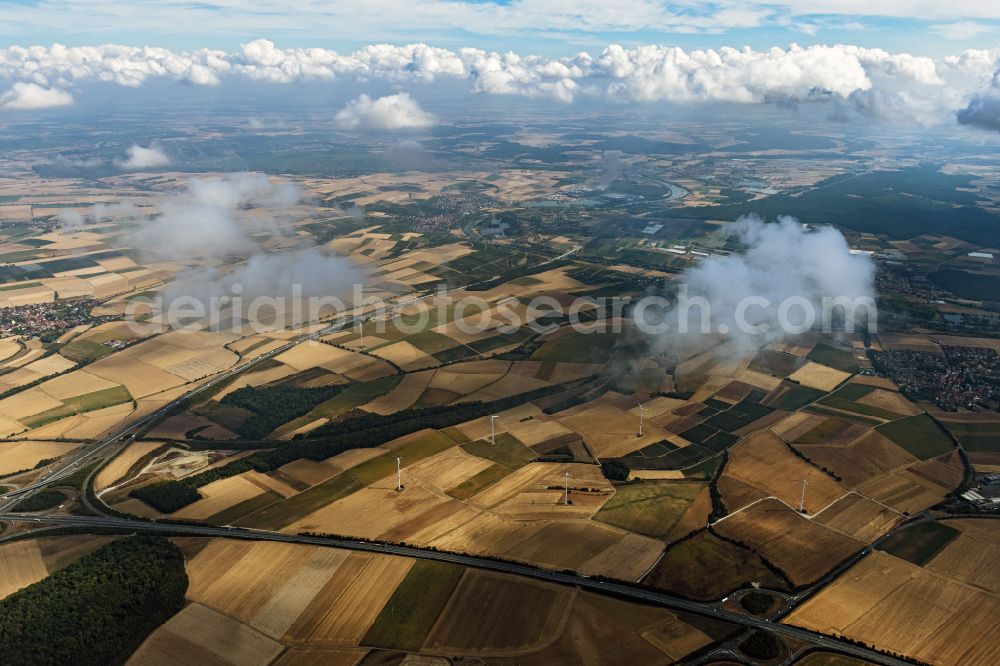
{"x": 642, "y": 411}
{"x": 399, "y": 475}
{"x": 566, "y": 488}
{"x": 493, "y": 430}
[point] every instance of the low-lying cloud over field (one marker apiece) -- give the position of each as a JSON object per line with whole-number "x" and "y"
{"x": 787, "y": 278}
{"x": 392, "y": 112}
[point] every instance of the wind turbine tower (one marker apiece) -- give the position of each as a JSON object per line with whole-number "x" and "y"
{"x": 399, "y": 475}
{"x": 642, "y": 411}
{"x": 802, "y": 500}
{"x": 493, "y": 430}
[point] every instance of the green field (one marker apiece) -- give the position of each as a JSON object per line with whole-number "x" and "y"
{"x": 88, "y": 402}
{"x": 707, "y": 568}
{"x": 706, "y": 469}
{"x": 652, "y": 508}
{"x": 795, "y": 397}
{"x": 424, "y": 446}
{"x": 579, "y": 348}
{"x": 85, "y": 351}
{"x": 920, "y": 435}
{"x": 478, "y": 482}
{"x": 507, "y": 451}
{"x": 244, "y": 508}
{"x": 919, "y": 543}
{"x": 977, "y": 437}
{"x": 349, "y": 398}
{"x": 835, "y": 401}
{"x": 840, "y": 359}
{"x": 431, "y": 342}
{"x": 776, "y": 363}
{"x": 414, "y": 607}
{"x": 279, "y": 514}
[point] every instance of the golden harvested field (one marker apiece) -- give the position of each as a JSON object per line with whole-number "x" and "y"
{"x": 446, "y": 470}
{"x": 508, "y": 385}
{"x": 310, "y": 472}
{"x": 344, "y": 609}
{"x": 535, "y": 475}
{"x": 456, "y": 380}
{"x": 903, "y": 608}
{"x": 18, "y": 456}
{"x": 535, "y": 431}
{"x": 28, "y": 403}
{"x": 765, "y": 462}
{"x": 559, "y": 545}
{"x": 21, "y": 565}
{"x": 255, "y": 378}
{"x": 375, "y": 511}
{"x": 120, "y": 465}
{"x": 405, "y": 393}
{"x": 611, "y": 431}
{"x": 310, "y": 354}
{"x": 268, "y": 482}
{"x": 802, "y": 548}
{"x": 536, "y": 492}
{"x": 200, "y": 635}
{"x": 915, "y": 488}
{"x": 859, "y": 517}
{"x": 890, "y": 401}
{"x": 868, "y": 458}
{"x": 76, "y": 383}
{"x": 406, "y": 356}
{"x": 972, "y": 556}
{"x": 141, "y": 379}
{"x": 248, "y": 580}
{"x": 8, "y": 347}
{"x": 496, "y": 614}
{"x": 819, "y": 376}
{"x": 219, "y": 496}
{"x": 480, "y": 428}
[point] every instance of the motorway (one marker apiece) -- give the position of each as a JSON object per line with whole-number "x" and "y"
{"x": 560, "y": 577}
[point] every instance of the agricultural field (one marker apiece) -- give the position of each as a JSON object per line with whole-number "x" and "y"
{"x": 803, "y": 549}
{"x": 30, "y": 560}
{"x": 930, "y": 612}
{"x": 652, "y": 508}
{"x": 707, "y": 568}
{"x": 260, "y": 603}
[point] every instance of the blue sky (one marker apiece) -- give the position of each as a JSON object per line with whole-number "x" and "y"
{"x": 545, "y": 27}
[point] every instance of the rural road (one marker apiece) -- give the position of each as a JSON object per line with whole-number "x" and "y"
{"x": 105, "y": 447}
{"x": 563, "y": 578}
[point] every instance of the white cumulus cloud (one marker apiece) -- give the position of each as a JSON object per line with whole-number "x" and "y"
{"x": 392, "y": 112}
{"x": 138, "y": 157}
{"x": 926, "y": 89}
{"x": 25, "y": 96}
